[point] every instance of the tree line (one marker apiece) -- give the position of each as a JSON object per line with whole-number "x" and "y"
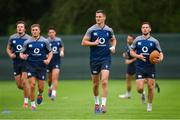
{"x": 75, "y": 16}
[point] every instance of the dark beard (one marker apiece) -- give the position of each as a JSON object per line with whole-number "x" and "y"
{"x": 145, "y": 34}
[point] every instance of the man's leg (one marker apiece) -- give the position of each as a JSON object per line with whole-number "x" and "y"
{"x": 19, "y": 82}
{"x": 95, "y": 80}
{"x": 26, "y": 88}
{"x": 32, "y": 92}
{"x": 104, "y": 78}
{"x": 140, "y": 89}
{"x": 129, "y": 78}
{"x": 150, "y": 83}
{"x": 49, "y": 84}
{"x": 55, "y": 77}
{"x": 40, "y": 91}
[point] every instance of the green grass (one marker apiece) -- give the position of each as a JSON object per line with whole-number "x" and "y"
{"x": 75, "y": 101}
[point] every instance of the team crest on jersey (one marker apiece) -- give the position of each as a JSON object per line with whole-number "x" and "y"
{"x": 94, "y": 72}
{"x": 106, "y": 66}
{"x": 58, "y": 43}
{"x": 95, "y": 34}
{"x": 107, "y": 34}
{"x": 139, "y": 43}
{"x": 139, "y": 76}
{"x": 43, "y": 77}
{"x": 151, "y": 44}
{"x": 42, "y": 45}
{"x": 30, "y": 45}
{"x": 29, "y": 74}
{"x": 50, "y": 44}
{"x": 14, "y": 41}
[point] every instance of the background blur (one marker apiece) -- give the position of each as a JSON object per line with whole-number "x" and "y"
{"x": 73, "y": 17}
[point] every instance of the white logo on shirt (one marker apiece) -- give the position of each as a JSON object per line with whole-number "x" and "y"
{"x": 145, "y": 49}
{"x": 36, "y": 50}
{"x": 14, "y": 41}
{"x": 95, "y": 34}
{"x": 139, "y": 43}
{"x": 19, "y": 47}
{"x": 101, "y": 41}
{"x": 30, "y": 45}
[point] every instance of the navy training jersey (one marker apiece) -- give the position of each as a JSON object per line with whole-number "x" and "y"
{"x": 145, "y": 46}
{"x": 100, "y": 52}
{"x": 16, "y": 43}
{"x": 37, "y": 49}
{"x": 55, "y": 45}
{"x": 127, "y": 52}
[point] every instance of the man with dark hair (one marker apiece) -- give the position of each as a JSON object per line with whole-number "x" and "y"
{"x": 37, "y": 52}
{"x": 101, "y": 40}
{"x": 131, "y": 69}
{"x": 53, "y": 68}
{"x": 141, "y": 48}
{"x": 14, "y": 46}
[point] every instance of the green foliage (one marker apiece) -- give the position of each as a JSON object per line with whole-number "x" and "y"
{"x": 75, "y": 16}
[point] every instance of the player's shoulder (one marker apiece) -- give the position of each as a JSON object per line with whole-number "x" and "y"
{"x": 15, "y": 35}
{"x": 153, "y": 39}
{"x": 26, "y": 36}
{"x": 58, "y": 39}
{"x": 93, "y": 27}
{"x": 106, "y": 27}
{"x": 42, "y": 38}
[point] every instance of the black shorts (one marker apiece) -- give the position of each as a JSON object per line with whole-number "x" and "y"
{"x": 97, "y": 66}
{"x": 131, "y": 69}
{"x": 19, "y": 67}
{"x": 36, "y": 69}
{"x": 145, "y": 73}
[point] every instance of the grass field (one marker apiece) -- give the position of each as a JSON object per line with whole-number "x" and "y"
{"x": 75, "y": 101}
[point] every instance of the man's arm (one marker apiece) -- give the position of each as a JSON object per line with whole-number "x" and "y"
{"x": 133, "y": 54}
{"x": 9, "y": 52}
{"x": 129, "y": 61}
{"x": 113, "y": 44}
{"x": 87, "y": 42}
{"x": 62, "y": 51}
{"x": 49, "y": 57}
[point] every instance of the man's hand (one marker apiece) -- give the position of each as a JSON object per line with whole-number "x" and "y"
{"x": 141, "y": 57}
{"x": 12, "y": 56}
{"x": 112, "y": 49}
{"x": 23, "y": 56}
{"x": 46, "y": 61}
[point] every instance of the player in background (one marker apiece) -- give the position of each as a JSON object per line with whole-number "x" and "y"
{"x": 101, "y": 40}
{"x": 53, "y": 68}
{"x": 14, "y": 46}
{"x": 141, "y": 48}
{"x": 37, "y": 52}
{"x": 131, "y": 69}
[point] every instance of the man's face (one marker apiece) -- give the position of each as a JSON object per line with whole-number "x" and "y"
{"x": 51, "y": 33}
{"x": 130, "y": 40}
{"x": 20, "y": 28}
{"x": 145, "y": 29}
{"x": 35, "y": 31}
{"x": 100, "y": 18}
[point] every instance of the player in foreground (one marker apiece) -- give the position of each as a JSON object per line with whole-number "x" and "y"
{"x": 130, "y": 61}
{"x": 141, "y": 49}
{"x": 37, "y": 52}
{"x": 13, "y": 49}
{"x": 53, "y": 68}
{"x": 101, "y": 40}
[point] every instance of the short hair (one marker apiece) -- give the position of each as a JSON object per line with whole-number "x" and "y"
{"x": 146, "y": 23}
{"x": 51, "y": 28}
{"x": 131, "y": 35}
{"x": 35, "y": 25}
{"x": 101, "y": 11}
{"x": 21, "y": 22}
